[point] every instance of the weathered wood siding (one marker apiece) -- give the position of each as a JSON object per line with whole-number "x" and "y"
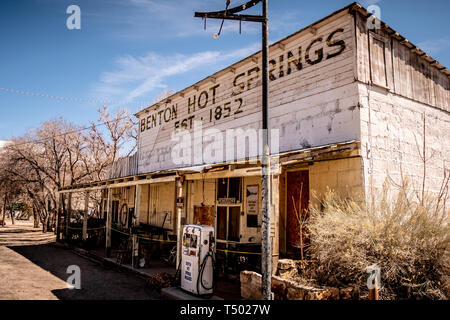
{"x": 386, "y": 62}
{"x": 157, "y": 205}
{"x": 312, "y": 106}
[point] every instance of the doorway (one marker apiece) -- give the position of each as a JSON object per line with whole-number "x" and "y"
{"x": 297, "y": 211}
{"x": 228, "y": 219}
{"x": 228, "y": 222}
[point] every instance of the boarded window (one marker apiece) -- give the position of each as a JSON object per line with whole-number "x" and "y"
{"x": 378, "y": 72}
{"x": 204, "y": 215}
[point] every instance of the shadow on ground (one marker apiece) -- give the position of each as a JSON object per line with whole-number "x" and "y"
{"x": 97, "y": 282}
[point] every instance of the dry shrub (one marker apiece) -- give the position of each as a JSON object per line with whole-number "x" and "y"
{"x": 406, "y": 237}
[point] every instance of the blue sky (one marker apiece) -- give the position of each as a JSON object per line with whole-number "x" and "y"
{"x": 131, "y": 50}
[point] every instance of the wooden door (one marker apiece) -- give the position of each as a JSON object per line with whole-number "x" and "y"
{"x": 233, "y": 223}
{"x": 297, "y": 210}
{"x": 228, "y": 223}
{"x": 221, "y": 228}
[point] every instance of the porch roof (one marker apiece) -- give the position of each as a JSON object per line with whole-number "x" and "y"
{"x": 248, "y": 167}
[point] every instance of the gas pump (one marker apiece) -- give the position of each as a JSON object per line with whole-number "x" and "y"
{"x": 198, "y": 259}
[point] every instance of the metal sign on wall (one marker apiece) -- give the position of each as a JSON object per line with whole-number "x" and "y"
{"x": 252, "y": 199}
{"x": 180, "y": 202}
{"x": 309, "y": 103}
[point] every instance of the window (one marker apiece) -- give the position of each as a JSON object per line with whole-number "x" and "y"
{"x": 252, "y": 221}
{"x": 378, "y": 67}
{"x": 228, "y": 209}
{"x": 115, "y": 211}
{"x": 234, "y": 189}
{"x": 229, "y": 190}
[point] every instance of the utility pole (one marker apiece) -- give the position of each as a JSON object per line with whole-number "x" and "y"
{"x": 231, "y": 14}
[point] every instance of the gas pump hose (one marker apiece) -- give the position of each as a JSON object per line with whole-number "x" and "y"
{"x": 200, "y": 274}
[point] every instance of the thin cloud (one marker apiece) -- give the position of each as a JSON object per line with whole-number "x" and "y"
{"x": 140, "y": 19}
{"x": 434, "y": 46}
{"x": 367, "y": 3}
{"x": 138, "y": 77}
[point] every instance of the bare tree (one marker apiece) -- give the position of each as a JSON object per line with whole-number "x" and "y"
{"x": 9, "y": 187}
{"x": 58, "y": 154}
{"x": 105, "y": 146}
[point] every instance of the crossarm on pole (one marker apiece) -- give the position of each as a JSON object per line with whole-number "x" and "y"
{"x": 237, "y": 9}
{"x": 242, "y": 17}
{"x": 230, "y": 14}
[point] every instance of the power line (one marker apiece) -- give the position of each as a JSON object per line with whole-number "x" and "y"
{"x": 44, "y": 95}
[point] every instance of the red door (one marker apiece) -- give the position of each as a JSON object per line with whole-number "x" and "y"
{"x": 297, "y": 211}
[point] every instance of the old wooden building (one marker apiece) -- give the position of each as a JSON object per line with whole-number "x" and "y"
{"x": 348, "y": 105}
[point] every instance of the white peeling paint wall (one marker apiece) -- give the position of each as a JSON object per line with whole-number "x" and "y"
{"x": 392, "y": 141}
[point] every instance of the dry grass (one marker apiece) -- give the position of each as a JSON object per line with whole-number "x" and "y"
{"x": 407, "y": 238}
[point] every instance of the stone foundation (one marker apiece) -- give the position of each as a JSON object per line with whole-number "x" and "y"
{"x": 285, "y": 289}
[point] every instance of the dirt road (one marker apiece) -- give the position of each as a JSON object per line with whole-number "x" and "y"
{"x": 33, "y": 267}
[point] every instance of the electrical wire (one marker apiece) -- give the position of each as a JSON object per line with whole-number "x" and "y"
{"x": 44, "y": 95}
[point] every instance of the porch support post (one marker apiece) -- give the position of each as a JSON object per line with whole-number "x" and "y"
{"x": 58, "y": 217}
{"x": 137, "y": 206}
{"x": 179, "y": 185}
{"x": 274, "y": 220}
{"x": 68, "y": 214}
{"x": 85, "y": 218}
{"x": 108, "y": 223}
